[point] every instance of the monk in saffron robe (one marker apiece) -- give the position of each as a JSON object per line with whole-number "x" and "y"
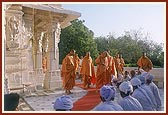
{"x": 102, "y": 64}
{"x": 87, "y": 70}
{"x": 111, "y": 70}
{"x": 144, "y": 63}
{"x": 118, "y": 64}
{"x": 122, "y": 63}
{"x": 76, "y": 62}
{"x": 68, "y": 72}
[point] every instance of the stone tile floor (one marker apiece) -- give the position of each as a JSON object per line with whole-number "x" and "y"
{"x": 43, "y": 101}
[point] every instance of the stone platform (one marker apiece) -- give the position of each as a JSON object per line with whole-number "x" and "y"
{"x": 43, "y": 101}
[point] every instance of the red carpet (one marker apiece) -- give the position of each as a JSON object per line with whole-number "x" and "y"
{"x": 88, "y": 102}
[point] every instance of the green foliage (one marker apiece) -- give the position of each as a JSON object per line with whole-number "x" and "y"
{"x": 130, "y": 65}
{"x": 131, "y": 45}
{"x": 77, "y": 36}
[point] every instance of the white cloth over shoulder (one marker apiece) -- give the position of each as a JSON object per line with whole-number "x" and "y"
{"x": 108, "y": 106}
{"x": 107, "y": 93}
{"x": 155, "y": 91}
{"x": 130, "y": 103}
{"x": 150, "y": 94}
{"x": 141, "y": 95}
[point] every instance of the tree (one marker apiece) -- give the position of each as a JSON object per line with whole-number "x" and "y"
{"x": 131, "y": 45}
{"x": 77, "y": 36}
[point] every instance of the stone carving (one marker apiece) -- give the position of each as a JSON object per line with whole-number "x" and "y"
{"x": 40, "y": 39}
{"x": 57, "y": 34}
{"x": 18, "y": 34}
{"x": 45, "y": 43}
{"x": 13, "y": 31}
{"x": 30, "y": 55}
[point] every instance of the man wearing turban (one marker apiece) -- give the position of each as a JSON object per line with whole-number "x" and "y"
{"x": 128, "y": 103}
{"x": 107, "y": 95}
{"x": 141, "y": 95}
{"x": 155, "y": 90}
{"x": 63, "y": 103}
{"x": 142, "y": 78}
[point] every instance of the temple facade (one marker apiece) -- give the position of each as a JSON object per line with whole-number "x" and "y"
{"x": 31, "y": 35}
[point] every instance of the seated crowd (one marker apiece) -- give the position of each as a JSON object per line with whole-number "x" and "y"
{"x": 138, "y": 93}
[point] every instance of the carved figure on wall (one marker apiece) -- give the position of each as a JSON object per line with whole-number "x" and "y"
{"x": 13, "y": 31}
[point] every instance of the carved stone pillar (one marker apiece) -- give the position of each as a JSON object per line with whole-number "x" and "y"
{"x": 57, "y": 33}
{"x": 53, "y": 59}
{"x": 53, "y": 51}
{"x": 38, "y": 54}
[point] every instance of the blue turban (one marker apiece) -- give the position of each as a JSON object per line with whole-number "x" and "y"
{"x": 64, "y": 102}
{"x": 107, "y": 92}
{"x": 135, "y": 82}
{"x": 125, "y": 87}
{"x": 150, "y": 77}
{"x": 143, "y": 76}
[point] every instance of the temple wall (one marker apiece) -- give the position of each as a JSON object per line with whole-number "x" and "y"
{"x": 32, "y": 32}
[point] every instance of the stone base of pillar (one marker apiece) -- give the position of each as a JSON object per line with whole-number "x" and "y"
{"x": 55, "y": 84}
{"x": 53, "y": 80}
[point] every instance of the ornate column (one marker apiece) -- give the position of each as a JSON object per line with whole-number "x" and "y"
{"x": 38, "y": 56}
{"x": 53, "y": 74}
{"x": 57, "y": 40}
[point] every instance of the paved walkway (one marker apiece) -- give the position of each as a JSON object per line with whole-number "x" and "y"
{"x": 43, "y": 101}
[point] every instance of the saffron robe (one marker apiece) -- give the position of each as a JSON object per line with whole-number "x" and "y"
{"x": 102, "y": 64}
{"x": 111, "y": 70}
{"x": 145, "y": 63}
{"x": 68, "y": 72}
{"x": 87, "y": 71}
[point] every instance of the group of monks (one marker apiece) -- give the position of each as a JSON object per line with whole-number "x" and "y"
{"x": 108, "y": 68}
{"x": 139, "y": 93}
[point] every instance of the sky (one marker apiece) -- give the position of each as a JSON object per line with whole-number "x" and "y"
{"x": 103, "y": 18}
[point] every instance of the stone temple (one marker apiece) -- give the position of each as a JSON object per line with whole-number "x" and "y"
{"x": 31, "y": 32}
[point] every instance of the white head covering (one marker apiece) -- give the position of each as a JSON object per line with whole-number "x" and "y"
{"x": 63, "y": 102}
{"x": 107, "y": 92}
{"x": 143, "y": 76}
{"x": 125, "y": 87}
{"x": 135, "y": 82}
{"x": 150, "y": 77}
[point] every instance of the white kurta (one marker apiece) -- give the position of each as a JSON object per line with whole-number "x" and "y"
{"x": 150, "y": 94}
{"x": 108, "y": 106}
{"x": 156, "y": 93}
{"x": 130, "y": 103}
{"x": 141, "y": 95}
